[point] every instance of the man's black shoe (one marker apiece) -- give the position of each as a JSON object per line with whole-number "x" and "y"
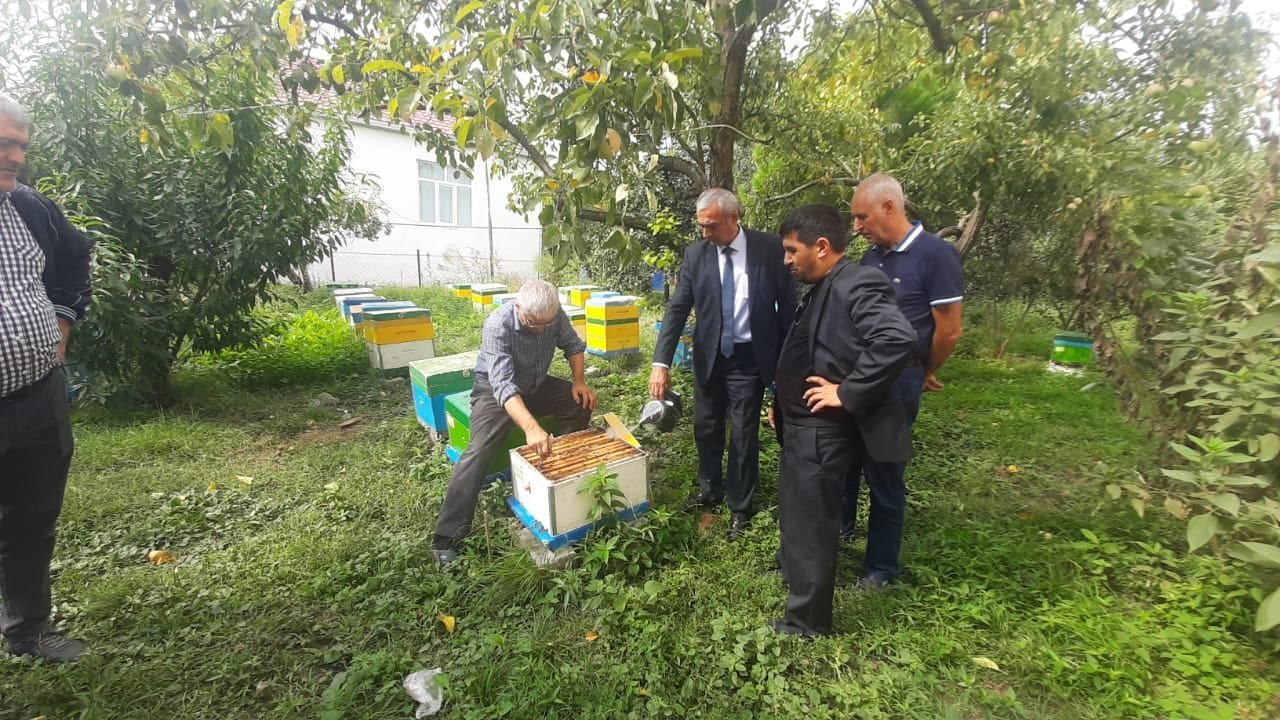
{"x": 701, "y": 500}
{"x": 50, "y": 646}
{"x": 738, "y": 525}
{"x": 782, "y": 627}
{"x": 444, "y": 558}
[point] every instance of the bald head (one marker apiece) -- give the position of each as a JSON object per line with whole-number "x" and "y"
{"x": 879, "y": 211}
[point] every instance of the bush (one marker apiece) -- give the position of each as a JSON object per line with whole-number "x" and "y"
{"x": 311, "y": 348}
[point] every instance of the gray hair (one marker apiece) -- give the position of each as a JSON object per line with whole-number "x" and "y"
{"x": 725, "y": 200}
{"x": 539, "y": 299}
{"x": 882, "y": 186}
{"x": 11, "y": 109}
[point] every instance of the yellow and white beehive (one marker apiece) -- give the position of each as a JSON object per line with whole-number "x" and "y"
{"x": 577, "y": 318}
{"x": 579, "y": 294}
{"x": 387, "y": 327}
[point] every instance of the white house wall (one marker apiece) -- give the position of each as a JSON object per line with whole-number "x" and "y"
{"x": 414, "y": 251}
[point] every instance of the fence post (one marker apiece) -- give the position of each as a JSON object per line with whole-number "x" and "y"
{"x": 418, "y": 253}
{"x": 333, "y": 272}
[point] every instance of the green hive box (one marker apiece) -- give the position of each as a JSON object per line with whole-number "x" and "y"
{"x": 445, "y": 374}
{"x": 457, "y": 408}
{"x": 1072, "y": 348}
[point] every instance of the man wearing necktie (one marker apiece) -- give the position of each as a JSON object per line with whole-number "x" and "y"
{"x": 736, "y": 282}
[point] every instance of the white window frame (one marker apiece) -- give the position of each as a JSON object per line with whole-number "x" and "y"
{"x": 444, "y": 181}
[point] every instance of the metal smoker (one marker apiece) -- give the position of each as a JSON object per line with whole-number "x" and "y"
{"x": 662, "y": 414}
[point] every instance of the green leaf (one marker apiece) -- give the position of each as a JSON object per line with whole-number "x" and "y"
{"x": 284, "y": 12}
{"x": 676, "y": 56}
{"x": 1185, "y": 452}
{"x": 586, "y": 124}
{"x": 1257, "y": 553}
{"x": 1139, "y": 506}
{"x": 462, "y": 129}
{"x": 1227, "y": 502}
{"x": 1269, "y": 612}
{"x": 1200, "y": 529}
{"x": 1268, "y": 447}
{"x": 466, "y": 10}
{"x": 1267, "y": 321}
{"x": 1114, "y": 491}
{"x": 374, "y": 66}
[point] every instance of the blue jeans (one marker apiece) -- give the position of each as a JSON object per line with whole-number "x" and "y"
{"x": 887, "y": 488}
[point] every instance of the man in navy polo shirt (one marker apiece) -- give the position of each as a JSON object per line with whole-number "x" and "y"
{"x": 926, "y": 277}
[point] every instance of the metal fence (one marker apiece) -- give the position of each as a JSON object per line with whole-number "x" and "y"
{"x": 418, "y": 269}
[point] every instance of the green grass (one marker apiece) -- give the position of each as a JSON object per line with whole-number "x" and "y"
{"x": 308, "y": 590}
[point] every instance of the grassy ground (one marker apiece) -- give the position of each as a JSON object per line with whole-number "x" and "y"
{"x": 303, "y": 585}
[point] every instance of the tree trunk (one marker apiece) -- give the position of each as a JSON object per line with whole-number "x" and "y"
{"x": 734, "y": 43}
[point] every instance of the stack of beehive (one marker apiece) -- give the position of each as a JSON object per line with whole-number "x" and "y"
{"x": 432, "y": 380}
{"x": 396, "y": 334}
{"x": 613, "y": 326}
{"x": 577, "y": 295}
{"x": 482, "y": 294}
{"x": 577, "y": 318}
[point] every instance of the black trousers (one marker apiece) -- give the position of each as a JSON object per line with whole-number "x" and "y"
{"x": 35, "y": 454}
{"x": 814, "y": 463}
{"x": 735, "y": 393}
{"x": 490, "y": 424}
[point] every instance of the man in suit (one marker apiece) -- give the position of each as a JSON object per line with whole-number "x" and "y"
{"x": 929, "y": 286}
{"x": 737, "y": 283}
{"x": 836, "y": 402}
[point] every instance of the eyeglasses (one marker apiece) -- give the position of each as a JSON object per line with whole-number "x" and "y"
{"x": 525, "y": 321}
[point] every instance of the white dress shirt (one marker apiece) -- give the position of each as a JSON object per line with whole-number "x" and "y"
{"x": 741, "y": 288}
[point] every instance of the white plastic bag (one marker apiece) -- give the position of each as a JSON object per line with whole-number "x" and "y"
{"x": 422, "y": 687}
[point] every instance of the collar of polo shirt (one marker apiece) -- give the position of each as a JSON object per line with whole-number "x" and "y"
{"x": 916, "y": 229}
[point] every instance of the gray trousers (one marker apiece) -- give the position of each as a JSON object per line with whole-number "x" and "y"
{"x": 814, "y": 463}
{"x": 490, "y": 424}
{"x": 35, "y": 454}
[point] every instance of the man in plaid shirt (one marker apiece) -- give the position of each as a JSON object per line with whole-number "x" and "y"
{"x": 44, "y": 289}
{"x": 512, "y": 386}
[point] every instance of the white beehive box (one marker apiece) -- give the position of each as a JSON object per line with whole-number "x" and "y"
{"x": 549, "y": 489}
{"x": 398, "y": 355}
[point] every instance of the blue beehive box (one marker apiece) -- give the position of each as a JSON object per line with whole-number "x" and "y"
{"x": 350, "y": 301}
{"x": 432, "y": 380}
{"x": 683, "y": 359}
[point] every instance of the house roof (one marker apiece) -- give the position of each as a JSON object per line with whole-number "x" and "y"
{"x": 327, "y": 99}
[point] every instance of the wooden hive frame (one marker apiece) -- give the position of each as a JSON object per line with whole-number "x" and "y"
{"x": 578, "y": 453}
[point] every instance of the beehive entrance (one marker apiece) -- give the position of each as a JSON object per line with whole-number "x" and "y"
{"x": 577, "y": 453}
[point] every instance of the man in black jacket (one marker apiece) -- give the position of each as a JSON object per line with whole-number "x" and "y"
{"x": 44, "y": 288}
{"x": 835, "y": 402}
{"x": 736, "y": 281}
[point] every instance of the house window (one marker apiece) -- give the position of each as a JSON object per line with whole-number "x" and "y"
{"x": 444, "y": 195}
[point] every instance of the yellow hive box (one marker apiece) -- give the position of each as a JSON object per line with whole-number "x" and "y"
{"x": 462, "y": 290}
{"x": 612, "y": 334}
{"x": 612, "y": 344}
{"x": 398, "y": 331}
{"x": 613, "y": 312}
{"x": 579, "y": 294}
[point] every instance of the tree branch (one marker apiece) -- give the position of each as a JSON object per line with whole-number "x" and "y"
{"x": 535, "y": 154}
{"x": 309, "y": 15}
{"x": 631, "y": 222}
{"x": 684, "y": 167}
{"x": 941, "y": 42}
{"x": 840, "y": 181}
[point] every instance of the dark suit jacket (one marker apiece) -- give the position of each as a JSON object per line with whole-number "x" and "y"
{"x": 860, "y": 339}
{"x": 773, "y": 303}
